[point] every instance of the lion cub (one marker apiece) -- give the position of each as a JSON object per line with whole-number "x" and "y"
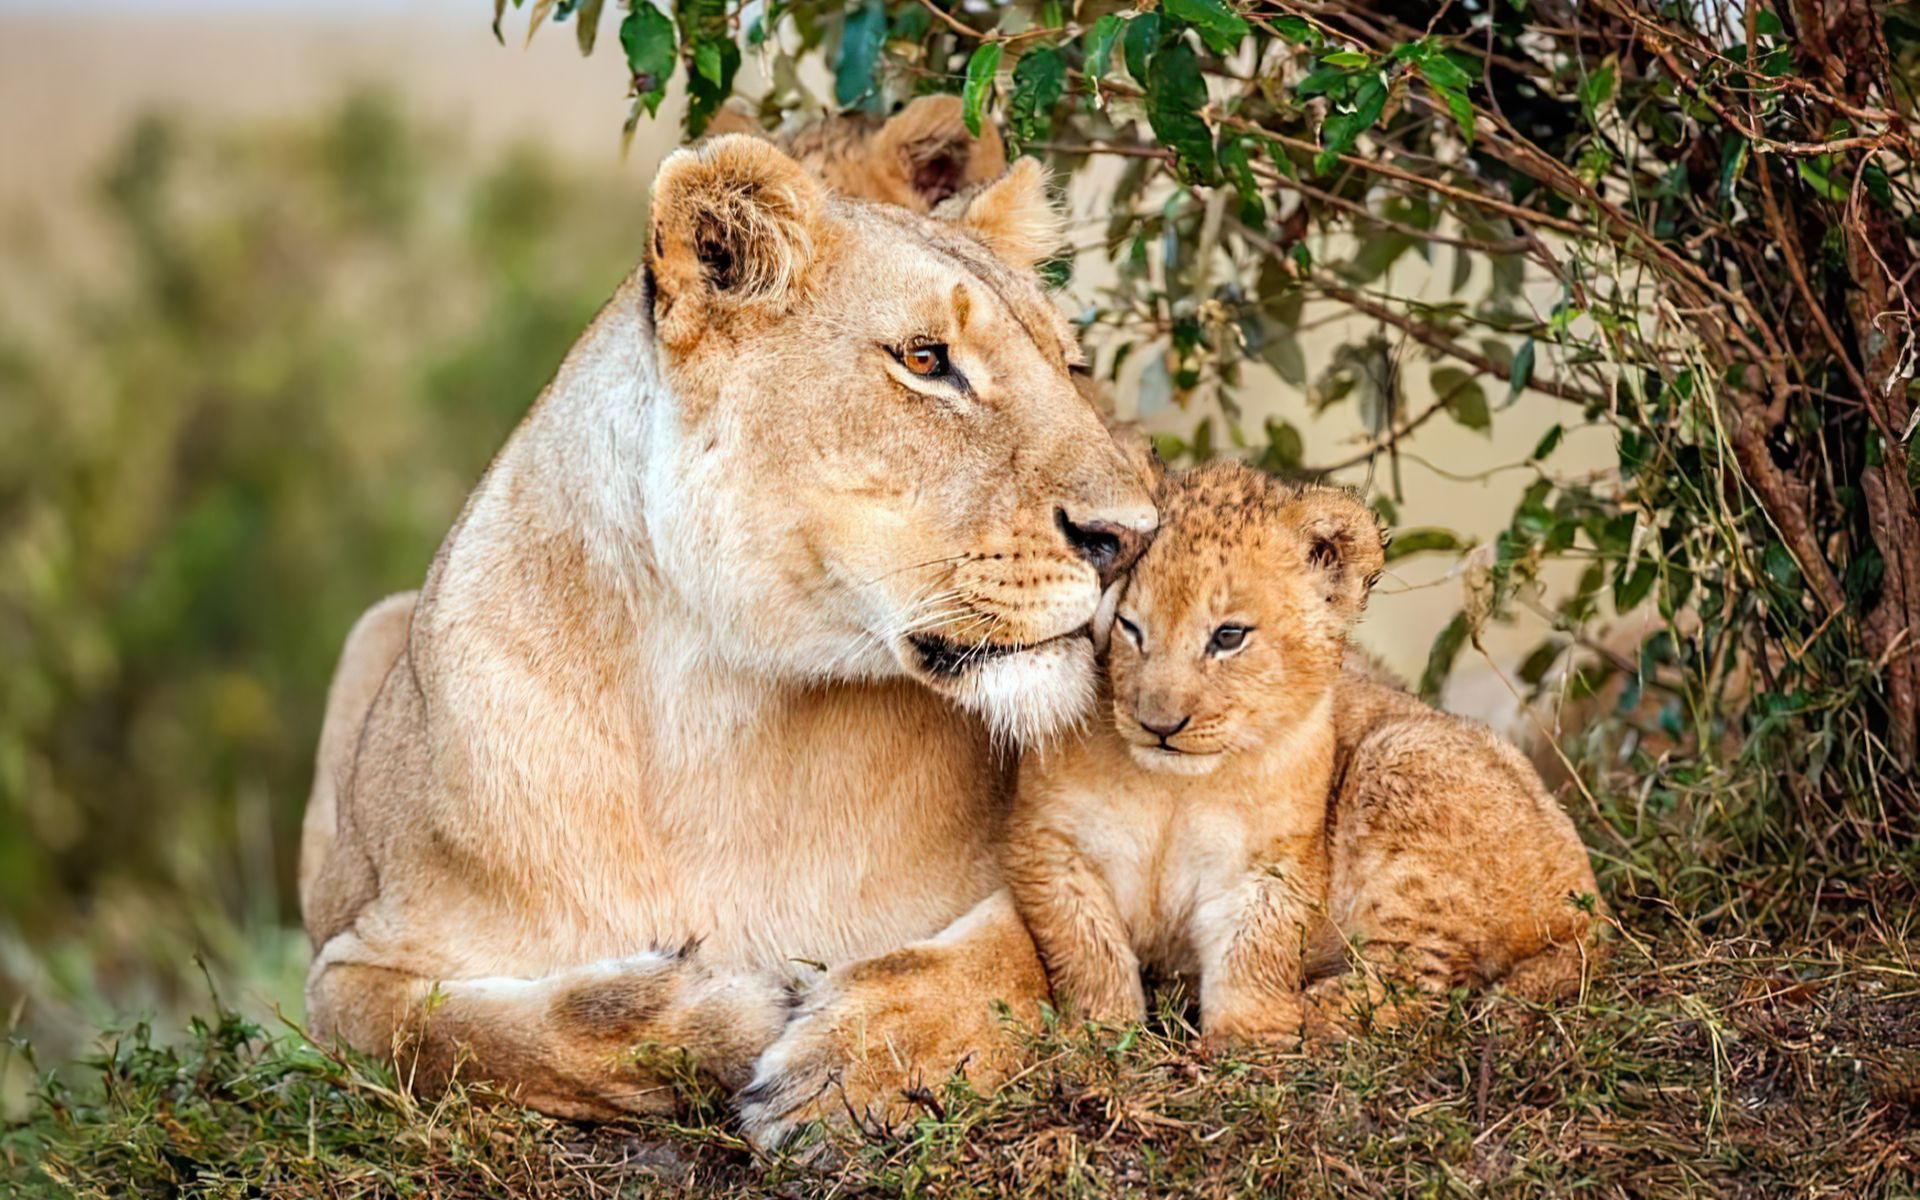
{"x": 1254, "y": 807}
{"x": 1189, "y": 833}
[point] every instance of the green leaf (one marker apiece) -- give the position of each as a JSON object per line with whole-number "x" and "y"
{"x": 1100, "y": 42}
{"x": 1445, "y": 74}
{"x": 1281, "y": 351}
{"x": 1766, "y": 24}
{"x": 1297, "y": 31}
{"x": 1322, "y": 81}
{"x": 1549, "y": 442}
{"x": 1629, "y": 592}
{"x": 1346, "y": 58}
{"x": 586, "y": 24}
{"x": 1221, "y": 28}
{"x": 1425, "y": 539}
{"x": 1780, "y": 567}
{"x": 1522, "y": 370}
{"x": 1734, "y": 156}
{"x": 1597, "y": 89}
{"x": 1446, "y": 648}
{"x": 706, "y": 62}
{"x": 1817, "y": 179}
{"x": 1342, "y": 129}
{"x": 712, "y": 58}
{"x": 860, "y": 41}
{"x": 1463, "y": 396}
{"x": 981, "y": 69}
{"x": 1039, "y": 80}
{"x": 1538, "y": 663}
{"x": 1236, "y": 160}
{"x": 646, "y": 35}
{"x": 1202, "y": 446}
{"x": 1285, "y": 449}
{"x": 1450, "y": 83}
{"x": 1141, "y": 39}
{"x": 1176, "y": 92}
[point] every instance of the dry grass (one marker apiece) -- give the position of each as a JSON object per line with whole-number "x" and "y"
{"x": 1695, "y": 1065}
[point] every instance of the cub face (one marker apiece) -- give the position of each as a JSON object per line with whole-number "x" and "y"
{"x": 1232, "y": 626}
{"x": 878, "y": 462}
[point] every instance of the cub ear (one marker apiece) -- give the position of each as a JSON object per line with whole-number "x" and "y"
{"x": 1344, "y": 544}
{"x": 928, "y": 144}
{"x": 734, "y": 226}
{"x": 1013, "y": 215}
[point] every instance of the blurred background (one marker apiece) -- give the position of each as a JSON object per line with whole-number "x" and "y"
{"x": 276, "y": 279}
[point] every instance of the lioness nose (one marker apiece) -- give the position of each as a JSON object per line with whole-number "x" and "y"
{"x": 1109, "y": 546}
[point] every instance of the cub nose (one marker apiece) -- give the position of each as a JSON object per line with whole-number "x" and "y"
{"x": 1110, "y": 547}
{"x": 1161, "y": 727}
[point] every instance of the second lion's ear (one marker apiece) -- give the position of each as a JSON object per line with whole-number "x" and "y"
{"x": 928, "y": 143}
{"x": 1343, "y": 542}
{"x": 734, "y": 228}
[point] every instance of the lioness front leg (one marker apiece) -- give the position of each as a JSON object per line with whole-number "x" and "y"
{"x": 873, "y": 1030}
{"x": 590, "y": 1043}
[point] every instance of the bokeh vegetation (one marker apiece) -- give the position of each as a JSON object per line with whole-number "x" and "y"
{"x": 263, "y": 419}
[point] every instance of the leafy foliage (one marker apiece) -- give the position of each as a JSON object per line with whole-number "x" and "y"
{"x": 1690, "y": 225}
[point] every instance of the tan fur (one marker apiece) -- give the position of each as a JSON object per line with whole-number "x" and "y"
{"x": 1451, "y": 865}
{"x": 1200, "y": 850}
{"x": 666, "y": 726}
{"x": 1302, "y": 806}
{"x": 915, "y": 159}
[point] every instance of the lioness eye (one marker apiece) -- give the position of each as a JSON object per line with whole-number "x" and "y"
{"x": 928, "y": 360}
{"x": 1129, "y": 628}
{"x": 1228, "y": 638}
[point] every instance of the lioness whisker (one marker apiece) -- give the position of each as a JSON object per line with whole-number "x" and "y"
{"x": 931, "y": 562}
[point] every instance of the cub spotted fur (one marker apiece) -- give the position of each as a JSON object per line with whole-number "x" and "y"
{"x": 1252, "y": 804}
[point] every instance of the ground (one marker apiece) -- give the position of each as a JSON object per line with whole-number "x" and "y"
{"x": 1698, "y": 1063}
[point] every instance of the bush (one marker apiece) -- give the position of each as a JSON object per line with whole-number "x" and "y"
{"x": 1692, "y": 224}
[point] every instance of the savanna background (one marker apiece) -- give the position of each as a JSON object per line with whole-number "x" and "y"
{"x": 276, "y": 280}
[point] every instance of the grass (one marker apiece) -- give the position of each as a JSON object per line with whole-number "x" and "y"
{"x": 1693, "y": 1066}
{"x": 1705, "y": 1059}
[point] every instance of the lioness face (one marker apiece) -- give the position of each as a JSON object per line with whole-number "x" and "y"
{"x": 877, "y": 462}
{"x": 1232, "y": 627}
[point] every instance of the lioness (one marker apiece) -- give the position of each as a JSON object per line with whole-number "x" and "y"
{"x": 704, "y": 684}
{"x": 1247, "y": 805}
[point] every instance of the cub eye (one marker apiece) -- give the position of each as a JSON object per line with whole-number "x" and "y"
{"x": 927, "y": 360}
{"x": 1129, "y": 628}
{"x": 1227, "y": 639}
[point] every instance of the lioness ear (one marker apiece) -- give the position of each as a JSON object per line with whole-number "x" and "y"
{"x": 928, "y": 144}
{"x": 1344, "y": 544}
{"x": 1013, "y": 215}
{"x": 734, "y": 223}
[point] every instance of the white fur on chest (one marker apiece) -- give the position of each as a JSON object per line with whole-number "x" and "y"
{"x": 1172, "y": 862}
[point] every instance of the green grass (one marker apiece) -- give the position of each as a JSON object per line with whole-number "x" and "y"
{"x": 1756, "y": 1032}
{"x": 1694, "y": 1065}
